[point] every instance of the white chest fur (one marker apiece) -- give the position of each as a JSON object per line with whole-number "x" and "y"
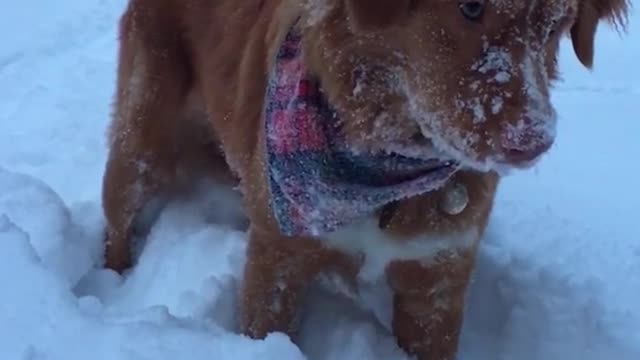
{"x": 379, "y": 248}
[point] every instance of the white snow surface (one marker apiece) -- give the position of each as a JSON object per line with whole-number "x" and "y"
{"x": 558, "y": 274}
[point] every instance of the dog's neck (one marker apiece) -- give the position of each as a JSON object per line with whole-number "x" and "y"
{"x": 317, "y": 182}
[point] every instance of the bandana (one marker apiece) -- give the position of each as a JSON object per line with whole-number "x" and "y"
{"x": 317, "y": 185}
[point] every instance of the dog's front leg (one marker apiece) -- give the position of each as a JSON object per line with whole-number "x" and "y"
{"x": 276, "y": 275}
{"x": 429, "y": 304}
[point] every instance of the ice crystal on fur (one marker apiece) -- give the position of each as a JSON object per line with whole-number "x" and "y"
{"x": 497, "y": 61}
{"x": 540, "y": 113}
{"x": 316, "y": 10}
{"x": 496, "y": 104}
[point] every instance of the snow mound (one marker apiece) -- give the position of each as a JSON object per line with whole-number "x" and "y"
{"x": 180, "y": 298}
{"x": 44, "y": 317}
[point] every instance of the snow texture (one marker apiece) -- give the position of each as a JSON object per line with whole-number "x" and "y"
{"x": 558, "y": 273}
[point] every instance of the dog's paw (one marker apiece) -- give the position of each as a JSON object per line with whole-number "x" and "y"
{"x": 117, "y": 256}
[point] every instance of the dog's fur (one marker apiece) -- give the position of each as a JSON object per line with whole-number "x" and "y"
{"x": 190, "y": 91}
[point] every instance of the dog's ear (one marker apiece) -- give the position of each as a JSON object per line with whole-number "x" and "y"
{"x": 368, "y": 15}
{"x": 590, "y": 13}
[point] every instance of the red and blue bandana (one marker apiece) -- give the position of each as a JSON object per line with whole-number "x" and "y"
{"x": 317, "y": 185}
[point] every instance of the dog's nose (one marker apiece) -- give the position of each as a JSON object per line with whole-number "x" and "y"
{"x": 515, "y": 153}
{"x": 520, "y": 156}
{"x": 527, "y": 146}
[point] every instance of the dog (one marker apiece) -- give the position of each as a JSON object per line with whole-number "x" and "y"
{"x": 366, "y": 138}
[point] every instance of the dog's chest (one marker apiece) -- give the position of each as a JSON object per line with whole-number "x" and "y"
{"x": 376, "y": 249}
{"x": 364, "y": 239}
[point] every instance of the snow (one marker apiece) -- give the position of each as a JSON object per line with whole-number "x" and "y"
{"x": 558, "y": 274}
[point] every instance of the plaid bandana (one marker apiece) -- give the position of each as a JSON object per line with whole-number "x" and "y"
{"x": 317, "y": 185}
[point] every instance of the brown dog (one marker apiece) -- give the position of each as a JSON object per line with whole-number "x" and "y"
{"x": 463, "y": 81}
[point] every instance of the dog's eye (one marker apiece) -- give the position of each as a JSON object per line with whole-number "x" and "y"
{"x": 472, "y": 10}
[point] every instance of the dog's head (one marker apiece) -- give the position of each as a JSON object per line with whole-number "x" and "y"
{"x": 470, "y": 77}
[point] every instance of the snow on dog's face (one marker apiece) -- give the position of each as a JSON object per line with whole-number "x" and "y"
{"x": 470, "y": 77}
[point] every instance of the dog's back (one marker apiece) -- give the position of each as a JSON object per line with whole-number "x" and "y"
{"x": 203, "y": 52}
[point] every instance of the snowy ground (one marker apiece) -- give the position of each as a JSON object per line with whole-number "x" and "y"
{"x": 559, "y": 274}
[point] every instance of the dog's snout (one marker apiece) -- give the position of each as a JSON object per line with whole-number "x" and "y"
{"x": 526, "y": 154}
{"x": 525, "y": 144}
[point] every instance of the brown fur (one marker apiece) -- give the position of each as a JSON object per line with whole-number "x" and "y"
{"x": 191, "y": 83}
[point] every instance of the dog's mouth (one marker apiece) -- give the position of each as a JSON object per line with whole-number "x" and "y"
{"x": 394, "y": 163}
{"x": 419, "y": 147}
